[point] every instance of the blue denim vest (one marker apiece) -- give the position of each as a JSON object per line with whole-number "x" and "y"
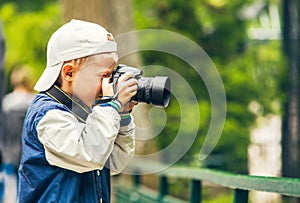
{"x": 41, "y": 182}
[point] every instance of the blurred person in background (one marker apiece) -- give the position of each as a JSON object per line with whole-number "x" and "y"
{"x": 15, "y": 105}
{"x": 22, "y": 94}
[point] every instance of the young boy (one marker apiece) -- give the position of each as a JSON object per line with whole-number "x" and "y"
{"x": 70, "y": 146}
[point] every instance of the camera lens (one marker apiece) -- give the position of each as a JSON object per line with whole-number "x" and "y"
{"x": 154, "y": 90}
{"x": 160, "y": 91}
{"x": 151, "y": 90}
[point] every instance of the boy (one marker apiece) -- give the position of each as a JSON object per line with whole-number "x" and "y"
{"x": 70, "y": 145}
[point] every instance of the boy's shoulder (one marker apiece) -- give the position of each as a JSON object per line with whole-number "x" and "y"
{"x": 43, "y": 103}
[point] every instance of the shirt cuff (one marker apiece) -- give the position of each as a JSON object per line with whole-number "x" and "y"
{"x": 125, "y": 119}
{"x": 114, "y": 104}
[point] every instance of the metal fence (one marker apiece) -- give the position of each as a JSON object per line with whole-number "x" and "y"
{"x": 240, "y": 184}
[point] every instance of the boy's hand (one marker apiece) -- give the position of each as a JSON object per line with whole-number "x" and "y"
{"x": 127, "y": 88}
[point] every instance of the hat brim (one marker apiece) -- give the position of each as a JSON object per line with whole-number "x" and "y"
{"x": 48, "y": 77}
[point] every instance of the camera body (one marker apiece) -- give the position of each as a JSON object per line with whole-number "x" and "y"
{"x": 121, "y": 69}
{"x": 151, "y": 90}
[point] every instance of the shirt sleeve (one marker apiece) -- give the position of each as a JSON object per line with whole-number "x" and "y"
{"x": 124, "y": 148}
{"x": 82, "y": 147}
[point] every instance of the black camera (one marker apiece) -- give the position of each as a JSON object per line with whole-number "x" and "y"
{"x": 151, "y": 90}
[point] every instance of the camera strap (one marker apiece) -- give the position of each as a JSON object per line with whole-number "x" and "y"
{"x": 76, "y": 106}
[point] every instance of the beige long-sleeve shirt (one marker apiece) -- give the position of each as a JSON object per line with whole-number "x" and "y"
{"x": 83, "y": 147}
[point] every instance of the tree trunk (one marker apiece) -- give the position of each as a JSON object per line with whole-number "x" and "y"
{"x": 291, "y": 138}
{"x": 115, "y": 16}
{"x": 291, "y": 126}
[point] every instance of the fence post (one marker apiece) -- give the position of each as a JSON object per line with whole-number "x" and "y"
{"x": 136, "y": 179}
{"x": 196, "y": 191}
{"x": 240, "y": 196}
{"x": 163, "y": 188}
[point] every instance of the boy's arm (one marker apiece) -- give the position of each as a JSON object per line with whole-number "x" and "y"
{"x": 124, "y": 146}
{"x": 79, "y": 147}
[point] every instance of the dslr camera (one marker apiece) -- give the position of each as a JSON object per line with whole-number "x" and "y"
{"x": 151, "y": 90}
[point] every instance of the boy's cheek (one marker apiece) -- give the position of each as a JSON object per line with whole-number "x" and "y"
{"x": 107, "y": 87}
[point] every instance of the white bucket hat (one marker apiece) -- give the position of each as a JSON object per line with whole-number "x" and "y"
{"x": 73, "y": 40}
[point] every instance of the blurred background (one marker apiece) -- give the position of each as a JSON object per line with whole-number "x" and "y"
{"x": 254, "y": 45}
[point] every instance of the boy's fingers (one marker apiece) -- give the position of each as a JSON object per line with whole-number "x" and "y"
{"x": 126, "y": 76}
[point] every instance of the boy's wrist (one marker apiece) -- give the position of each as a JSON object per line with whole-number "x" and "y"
{"x": 114, "y": 104}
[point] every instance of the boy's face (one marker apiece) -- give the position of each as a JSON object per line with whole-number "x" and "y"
{"x": 88, "y": 81}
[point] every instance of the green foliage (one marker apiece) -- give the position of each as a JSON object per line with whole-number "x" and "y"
{"x": 27, "y": 33}
{"x": 28, "y": 6}
{"x": 250, "y": 70}
{"x": 224, "y": 198}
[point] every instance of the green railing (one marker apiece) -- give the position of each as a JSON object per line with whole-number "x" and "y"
{"x": 241, "y": 184}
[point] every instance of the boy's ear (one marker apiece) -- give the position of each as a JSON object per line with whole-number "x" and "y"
{"x": 67, "y": 72}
